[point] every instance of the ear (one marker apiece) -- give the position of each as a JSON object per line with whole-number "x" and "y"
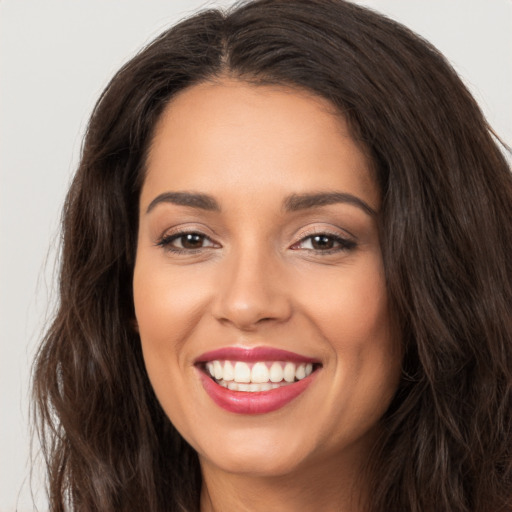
{"x": 134, "y": 325}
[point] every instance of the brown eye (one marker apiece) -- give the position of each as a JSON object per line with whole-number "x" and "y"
{"x": 322, "y": 242}
{"x": 191, "y": 241}
{"x": 183, "y": 242}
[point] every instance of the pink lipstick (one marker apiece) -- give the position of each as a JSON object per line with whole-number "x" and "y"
{"x": 254, "y": 354}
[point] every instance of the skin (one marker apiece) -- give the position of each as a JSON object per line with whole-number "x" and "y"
{"x": 257, "y": 279}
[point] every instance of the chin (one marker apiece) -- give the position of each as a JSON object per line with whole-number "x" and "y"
{"x": 256, "y": 455}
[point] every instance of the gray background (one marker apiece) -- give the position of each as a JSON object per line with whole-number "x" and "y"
{"x": 55, "y": 58}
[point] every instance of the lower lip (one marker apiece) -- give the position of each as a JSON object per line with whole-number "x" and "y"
{"x": 242, "y": 402}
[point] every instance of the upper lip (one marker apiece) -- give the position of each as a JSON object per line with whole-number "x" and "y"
{"x": 253, "y": 354}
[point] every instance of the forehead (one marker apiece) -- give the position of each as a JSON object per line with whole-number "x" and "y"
{"x": 234, "y": 135}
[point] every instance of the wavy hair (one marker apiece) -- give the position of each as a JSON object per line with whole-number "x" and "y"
{"x": 446, "y": 235}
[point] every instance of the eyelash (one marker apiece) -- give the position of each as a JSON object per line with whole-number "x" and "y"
{"x": 344, "y": 244}
{"x": 167, "y": 240}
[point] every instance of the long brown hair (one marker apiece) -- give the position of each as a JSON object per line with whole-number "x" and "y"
{"x": 446, "y": 236}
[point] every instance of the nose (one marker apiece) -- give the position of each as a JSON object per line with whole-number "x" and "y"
{"x": 251, "y": 292}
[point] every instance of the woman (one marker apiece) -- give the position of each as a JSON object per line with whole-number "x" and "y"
{"x": 285, "y": 279}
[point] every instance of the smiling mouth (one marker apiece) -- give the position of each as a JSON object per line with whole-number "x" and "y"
{"x": 257, "y": 376}
{"x": 255, "y": 380}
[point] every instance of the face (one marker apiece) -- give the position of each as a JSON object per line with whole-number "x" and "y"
{"x": 259, "y": 287}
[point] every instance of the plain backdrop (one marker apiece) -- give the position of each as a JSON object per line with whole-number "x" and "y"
{"x": 55, "y": 58}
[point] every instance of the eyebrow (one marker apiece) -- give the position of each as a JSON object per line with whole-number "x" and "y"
{"x": 293, "y": 203}
{"x": 297, "y": 202}
{"x": 192, "y": 199}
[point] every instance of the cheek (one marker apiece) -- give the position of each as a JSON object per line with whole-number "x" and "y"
{"x": 167, "y": 309}
{"x": 350, "y": 305}
{"x": 351, "y": 312}
{"x": 167, "y": 305}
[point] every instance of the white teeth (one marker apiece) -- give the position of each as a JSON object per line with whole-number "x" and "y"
{"x": 289, "y": 372}
{"x": 229, "y": 371}
{"x": 259, "y": 373}
{"x": 276, "y": 372}
{"x": 251, "y": 388}
{"x": 242, "y": 372}
{"x": 217, "y": 370}
{"x": 259, "y": 376}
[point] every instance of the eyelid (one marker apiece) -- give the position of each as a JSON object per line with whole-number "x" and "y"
{"x": 324, "y": 230}
{"x": 170, "y": 234}
{"x": 184, "y": 229}
{"x": 346, "y": 240}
